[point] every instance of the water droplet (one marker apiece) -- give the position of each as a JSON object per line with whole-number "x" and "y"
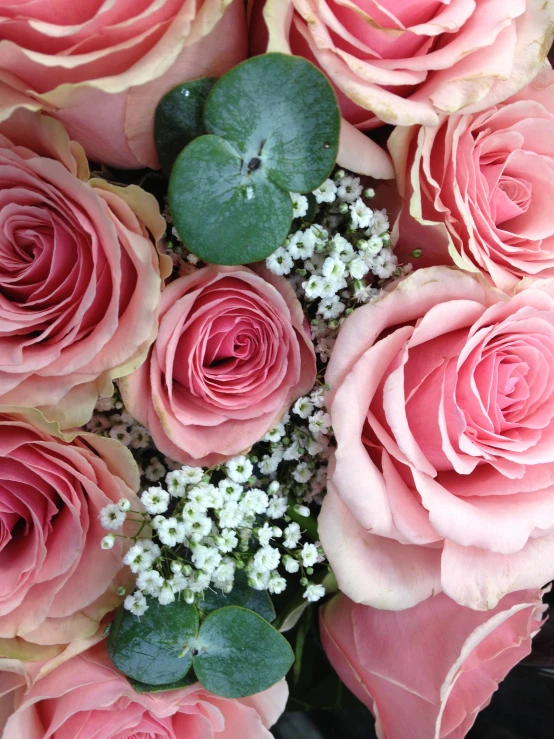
{"x": 326, "y": 145}
{"x": 249, "y": 192}
{"x": 185, "y": 93}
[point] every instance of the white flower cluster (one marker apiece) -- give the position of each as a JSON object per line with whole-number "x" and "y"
{"x": 204, "y": 531}
{"x": 340, "y": 261}
{"x": 110, "y": 419}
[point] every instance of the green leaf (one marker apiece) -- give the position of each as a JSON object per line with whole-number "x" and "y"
{"x": 241, "y": 595}
{"x": 280, "y": 110}
{"x": 179, "y": 119}
{"x": 148, "y": 648}
{"x": 237, "y": 653}
{"x": 223, "y": 213}
{"x": 177, "y": 685}
{"x": 273, "y": 124}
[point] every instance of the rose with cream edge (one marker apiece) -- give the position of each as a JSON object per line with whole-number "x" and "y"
{"x": 101, "y": 68}
{"x": 477, "y": 189}
{"x": 232, "y": 354}
{"x": 428, "y": 671}
{"x": 442, "y": 403}
{"x": 86, "y": 696}
{"x": 56, "y": 584}
{"x": 80, "y": 277}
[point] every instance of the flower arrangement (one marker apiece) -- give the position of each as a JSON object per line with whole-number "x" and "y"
{"x": 276, "y": 381}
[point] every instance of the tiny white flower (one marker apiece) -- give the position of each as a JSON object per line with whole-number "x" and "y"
{"x": 280, "y": 262}
{"x": 330, "y": 308}
{"x": 192, "y": 511}
{"x": 138, "y": 559}
{"x": 326, "y": 192}
{"x": 149, "y": 546}
{"x": 198, "y": 529}
{"x": 108, "y": 541}
{"x": 199, "y": 582}
{"x": 124, "y": 505}
{"x": 120, "y": 433}
{"x": 276, "y": 433}
{"x": 136, "y": 603}
{"x": 314, "y": 287}
{"x": 155, "y": 470}
{"x": 254, "y": 501}
{"x": 150, "y": 581}
{"x": 291, "y": 565}
{"x": 374, "y": 244}
{"x": 239, "y": 469}
{"x": 341, "y": 248}
{"x": 269, "y": 464}
{"x": 227, "y": 541}
{"x": 231, "y": 491}
{"x": 112, "y": 517}
{"x": 302, "y": 473}
{"x": 231, "y": 516}
{"x": 358, "y": 268}
{"x": 292, "y": 535}
{"x": 380, "y": 222}
{"x": 299, "y": 205}
{"x": 360, "y": 215}
{"x": 176, "y": 483}
{"x": 258, "y": 580}
{"x": 315, "y": 448}
{"x": 314, "y": 592}
{"x": 155, "y": 500}
{"x": 317, "y": 397}
{"x": 333, "y": 268}
{"x": 140, "y": 438}
{"x": 105, "y": 404}
{"x": 171, "y": 532}
{"x": 205, "y": 558}
{"x": 349, "y": 189}
{"x": 225, "y": 573}
{"x": 178, "y": 582}
{"x": 204, "y": 495}
{"x": 265, "y": 534}
{"x": 166, "y": 595}
{"x": 277, "y": 506}
{"x": 309, "y": 555}
{"x": 192, "y": 475}
{"x": 266, "y": 559}
{"x": 320, "y": 422}
{"x": 277, "y": 584}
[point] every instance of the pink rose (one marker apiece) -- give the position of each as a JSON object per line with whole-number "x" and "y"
{"x": 488, "y": 180}
{"x": 86, "y": 695}
{"x": 428, "y": 671}
{"x": 102, "y": 67}
{"x": 79, "y": 275}
{"x": 233, "y": 353}
{"x": 56, "y": 583}
{"x": 406, "y": 62}
{"x": 442, "y": 403}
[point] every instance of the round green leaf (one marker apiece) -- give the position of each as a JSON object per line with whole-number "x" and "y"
{"x": 223, "y": 212}
{"x": 147, "y": 649}
{"x": 179, "y": 119}
{"x": 280, "y": 112}
{"x": 238, "y": 653}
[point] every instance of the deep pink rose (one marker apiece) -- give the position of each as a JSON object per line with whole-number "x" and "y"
{"x": 86, "y": 697}
{"x": 442, "y": 403}
{"x": 79, "y": 274}
{"x": 102, "y": 67}
{"x": 428, "y": 671}
{"x": 56, "y": 583}
{"x": 233, "y": 352}
{"x": 406, "y": 62}
{"x": 487, "y": 179}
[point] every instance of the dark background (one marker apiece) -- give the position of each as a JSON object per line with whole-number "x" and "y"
{"x": 522, "y": 708}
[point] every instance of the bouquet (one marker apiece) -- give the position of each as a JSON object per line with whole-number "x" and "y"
{"x": 276, "y": 362}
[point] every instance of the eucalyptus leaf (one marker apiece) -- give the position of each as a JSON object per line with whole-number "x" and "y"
{"x": 179, "y": 119}
{"x": 273, "y": 128}
{"x": 189, "y": 679}
{"x": 153, "y": 648}
{"x": 241, "y": 595}
{"x": 237, "y": 653}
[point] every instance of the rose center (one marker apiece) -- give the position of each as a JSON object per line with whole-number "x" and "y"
{"x": 512, "y": 198}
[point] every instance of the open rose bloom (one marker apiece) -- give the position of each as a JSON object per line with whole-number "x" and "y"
{"x": 232, "y": 354}
{"x": 427, "y": 671}
{"x": 102, "y": 67}
{"x": 406, "y": 62}
{"x": 86, "y": 697}
{"x": 80, "y": 277}
{"x": 443, "y": 409}
{"x": 56, "y": 584}
{"x": 480, "y": 188}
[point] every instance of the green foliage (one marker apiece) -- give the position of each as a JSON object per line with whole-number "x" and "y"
{"x": 273, "y": 127}
{"x": 241, "y": 595}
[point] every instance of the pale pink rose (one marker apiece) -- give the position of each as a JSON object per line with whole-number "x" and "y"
{"x": 442, "y": 403}
{"x": 86, "y": 696}
{"x": 480, "y": 188}
{"x": 102, "y": 67}
{"x": 428, "y": 671}
{"x": 79, "y": 273}
{"x": 232, "y": 354}
{"x": 56, "y": 584}
{"x": 404, "y": 62}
